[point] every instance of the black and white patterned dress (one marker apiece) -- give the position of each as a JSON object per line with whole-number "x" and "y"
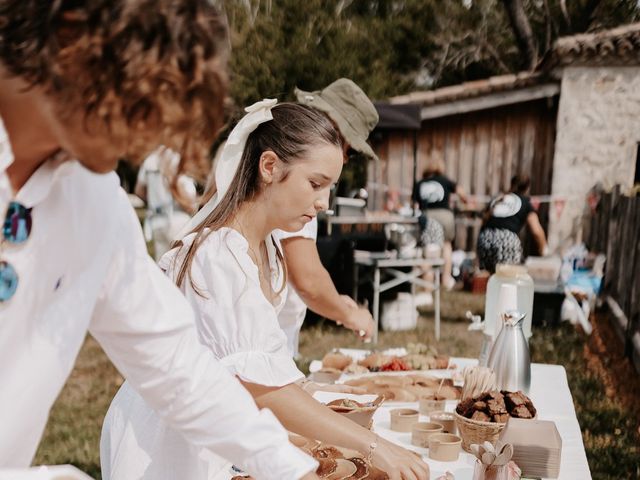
{"x": 498, "y": 245}
{"x": 433, "y": 233}
{"x": 498, "y": 241}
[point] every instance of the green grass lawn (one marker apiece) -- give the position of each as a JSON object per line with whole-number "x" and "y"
{"x": 609, "y": 427}
{"x": 609, "y": 422}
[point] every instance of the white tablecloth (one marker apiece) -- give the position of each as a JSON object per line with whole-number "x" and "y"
{"x": 63, "y": 472}
{"x": 552, "y": 398}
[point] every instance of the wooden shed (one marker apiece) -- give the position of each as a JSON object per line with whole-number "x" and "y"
{"x": 485, "y": 131}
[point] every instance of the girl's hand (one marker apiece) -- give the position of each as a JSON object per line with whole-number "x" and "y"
{"x": 399, "y": 463}
{"x": 361, "y": 322}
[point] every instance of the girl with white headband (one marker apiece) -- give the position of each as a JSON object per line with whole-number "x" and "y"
{"x": 275, "y": 172}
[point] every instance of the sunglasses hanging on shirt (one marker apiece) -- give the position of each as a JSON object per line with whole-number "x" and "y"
{"x": 15, "y": 231}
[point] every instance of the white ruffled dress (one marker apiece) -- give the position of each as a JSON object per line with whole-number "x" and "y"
{"x": 240, "y": 326}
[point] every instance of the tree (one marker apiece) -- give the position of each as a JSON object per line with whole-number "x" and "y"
{"x": 536, "y": 24}
{"x": 522, "y": 31}
{"x": 391, "y": 47}
{"x": 309, "y": 44}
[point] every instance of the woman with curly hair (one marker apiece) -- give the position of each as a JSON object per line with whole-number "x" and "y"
{"x": 82, "y": 85}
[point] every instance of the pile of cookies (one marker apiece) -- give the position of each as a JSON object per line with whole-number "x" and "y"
{"x": 497, "y": 406}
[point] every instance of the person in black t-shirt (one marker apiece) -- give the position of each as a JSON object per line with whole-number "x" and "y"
{"x": 432, "y": 194}
{"x": 498, "y": 241}
{"x": 433, "y": 191}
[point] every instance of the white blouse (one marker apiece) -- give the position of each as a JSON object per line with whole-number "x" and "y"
{"x": 240, "y": 327}
{"x": 234, "y": 318}
{"x": 85, "y": 267}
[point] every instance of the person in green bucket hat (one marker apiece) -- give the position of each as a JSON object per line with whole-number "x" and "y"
{"x": 355, "y": 116}
{"x": 349, "y": 108}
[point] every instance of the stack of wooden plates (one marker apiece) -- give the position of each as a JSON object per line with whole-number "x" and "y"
{"x": 537, "y": 446}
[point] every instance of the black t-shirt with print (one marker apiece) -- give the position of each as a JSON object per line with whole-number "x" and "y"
{"x": 433, "y": 192}
{"x": 509, "y": 211}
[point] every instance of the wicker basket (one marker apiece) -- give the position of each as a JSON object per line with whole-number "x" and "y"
{"x": 473, "y": 431}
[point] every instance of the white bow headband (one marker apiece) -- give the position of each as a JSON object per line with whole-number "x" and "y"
{"x": 227, "y": 164}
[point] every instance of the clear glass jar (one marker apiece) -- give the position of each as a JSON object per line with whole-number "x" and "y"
{"x": 518, "y": 276}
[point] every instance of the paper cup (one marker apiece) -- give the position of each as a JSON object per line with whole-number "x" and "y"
{"x": 444, "y": 447}
{"x": 421, "y": 432}
{"x": 446, "y": 419}
{"x": 403, "y": 419}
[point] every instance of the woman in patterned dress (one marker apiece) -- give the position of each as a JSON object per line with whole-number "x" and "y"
{"x": 498, "y": 241}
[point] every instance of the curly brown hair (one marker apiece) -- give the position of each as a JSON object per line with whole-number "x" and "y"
{"x": 149, "y": 70}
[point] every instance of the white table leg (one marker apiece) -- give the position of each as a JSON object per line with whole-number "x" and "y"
{"x": 436, "y": 302}
{"x": 376, "y": 302}
{"x": 356, "y": 280}
{"x": 412, "y": 282}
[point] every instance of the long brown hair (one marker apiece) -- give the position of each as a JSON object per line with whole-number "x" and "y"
{"x": 294, "y": 130}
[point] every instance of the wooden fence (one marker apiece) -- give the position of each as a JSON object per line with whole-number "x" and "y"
{"x": 615, "y": 231}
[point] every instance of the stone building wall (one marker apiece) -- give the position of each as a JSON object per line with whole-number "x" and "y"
{"x": 598, "y": 130}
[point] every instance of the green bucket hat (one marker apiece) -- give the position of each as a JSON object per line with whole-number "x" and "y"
{"x": 349, "y": 107}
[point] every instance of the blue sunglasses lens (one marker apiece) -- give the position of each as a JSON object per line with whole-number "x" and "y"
{"x": 17, "y": 223}
{"x": 8, "y": 281}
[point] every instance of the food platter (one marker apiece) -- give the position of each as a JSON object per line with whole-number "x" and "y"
{"x": 456, "y": 365}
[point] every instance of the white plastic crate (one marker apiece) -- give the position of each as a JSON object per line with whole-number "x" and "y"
{"x": 399, "y": 314}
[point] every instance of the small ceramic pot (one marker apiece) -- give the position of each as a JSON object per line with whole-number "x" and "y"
{"x": 403, "y": 419}
{"x": 446, "y": 419}
{"x": 444, "y": 447}
{"x": 430, "y": 404}
{"x": 421, "y": 432}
